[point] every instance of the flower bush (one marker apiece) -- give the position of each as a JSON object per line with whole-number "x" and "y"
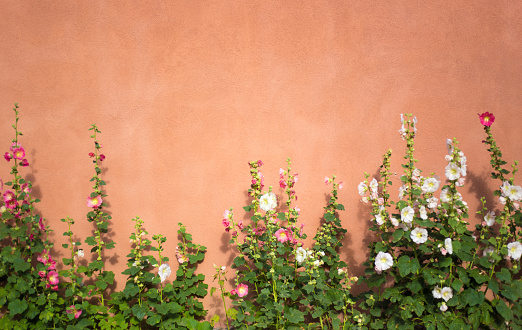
{"x": 428, "y": 268}
{"x": 35, "y": 295}
{"x": 280, "y": 284}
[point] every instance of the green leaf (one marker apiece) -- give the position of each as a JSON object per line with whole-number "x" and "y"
{"x": 504, "y": 275}
{"x": 397, "y": 235}
{"x": 457, "y": 285}
{"x": 503, "y": 309}
{"x": 139, "y": 311}
{"x": 17, "y": 306}
{"x": 294, "y": 316}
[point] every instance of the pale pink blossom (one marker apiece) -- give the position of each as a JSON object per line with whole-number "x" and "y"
{"x": 242, "y": 290}
{"x": 94, "y": 202}
{"x": 282, "y": 235}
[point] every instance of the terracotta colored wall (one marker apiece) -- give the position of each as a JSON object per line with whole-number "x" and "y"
{"x": 187, "y": 92}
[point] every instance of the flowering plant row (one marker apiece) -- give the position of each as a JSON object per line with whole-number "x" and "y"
{"x": 427, "y": 267}
{"x": 35, "y": 295}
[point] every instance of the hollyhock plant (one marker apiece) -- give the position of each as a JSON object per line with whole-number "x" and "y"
{"x": 282, "y": 235}
{"x": 486, "y": 119}
{"x": 446, "y": 293}
{"x": 268, "y": 202}
{"x": 164, "y": 272}
{"x": 300, "y": 255}
{"x": 73, "y": 310}
{"x": 52, "y": 278}
{"x": 19, "y": 153}
{"x": 514, "y": 250}
{"x": 95, "y": 201}
{"x": 419, "y": 235}
{"x": 242, "y": 290}
{"x": 383, "y": 261}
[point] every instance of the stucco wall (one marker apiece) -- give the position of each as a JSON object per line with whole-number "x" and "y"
{"x": 187, "y": 92}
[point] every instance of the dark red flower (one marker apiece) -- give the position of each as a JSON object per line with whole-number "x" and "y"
{"x": 91, "y": 154}
{"x": 102, "y": 157}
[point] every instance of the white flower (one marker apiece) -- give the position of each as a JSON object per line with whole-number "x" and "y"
{"x": 268, "y": 201}
{"x": 448, "y": 245}
{"x": 317, "y": 263}
{"x": 430, "y": 185}
{"x": 488, "y": 252}
{"x": 362, "y": 187}
{"x": 445, "y": 196}
{"x": 402, "y": 190}
{"x": 374, "y": 186}
{"x": 449, "y": 146}
{"x": 446, "y": 293}
{"x": 164, "y": 272}
{"x": 437, "y": 292}
{"x": 394, "y": 221}
{"x": 223, "y": 268}
{"x": 80, "y": 253}
{"x": 423, "y": 213}
{"x": 378, "y": 219}
{"x": 514, "y": 193}
{"x": 407, "y": 214}
{"x": 514, "y": 250}
{"x": 452, "y": 172}
{"x": 463, "y": 166}
{"x": 443, "y": 307}
{"x": 300, "y": 255}
{"x": 432, "y": 202}
{"x": 490, "y": 218}
{"x": 419, "y": 235}
{"x": 340, "y": 271}
{"x": 321, "y": 253}
{"x": 383, "y": 261}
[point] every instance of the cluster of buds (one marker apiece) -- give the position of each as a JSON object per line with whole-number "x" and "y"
{"x": 257, "y": 178}
{"x": 16, "y": 152}
{"x": 50, "y": 276}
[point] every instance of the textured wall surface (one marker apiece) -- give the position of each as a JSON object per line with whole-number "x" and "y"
{"x": 187, "y": 92}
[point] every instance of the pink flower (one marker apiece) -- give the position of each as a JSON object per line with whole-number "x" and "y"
{"x": 42, "y": 274}
{"x": 1, "y": 184}
{"x": 11, "y": 204}
{"x": 259, "y": 231}
{"x": 14, "y": 146}
{"x": 24, "y": 163}
{"x": 8, "y": 195}
{"x": 282, "y": 235}
{"x": 72, "y": 310}
{"x": 31, "y": 237}
{"x": 51, "y": 263}
{"x": 282, "y": 183}
{"x": 326, "y": 180}
{"x": 301, "y": 230}
{"x": 182, "y": 259}
{"x": 25, "y": 188}
{"x": 41, "y": 225}
{"x": 52, "y": 277}
{"x": 43, "y": 257}
{"x": 260, "y": 244}
{"x": 55, "y": 288}
{"x": 19, "y": 153}
{"x": 102, "y": 157}
{"x": 94, "y": 201}
{"x": 242, "y": 290}
{"x": 487, "y": 119}
{"x": 233, "y": 292}
{"x": 225, "y": 222}
{"x": 91, "y": 154}
{"x": 260, "y": 163}
{"x": 8, "y": 156}
{"x": 240, "y": 225}
{"x": 341, "y": 185}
